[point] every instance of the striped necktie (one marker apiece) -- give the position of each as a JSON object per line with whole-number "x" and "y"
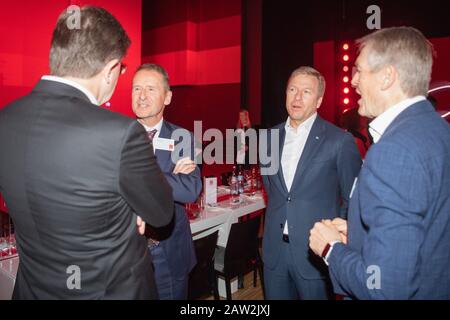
{"x": 151, "y": 134}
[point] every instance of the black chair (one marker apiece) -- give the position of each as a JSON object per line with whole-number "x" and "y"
{"x": 201, "y": 278}
{"x": 241, "y": 254}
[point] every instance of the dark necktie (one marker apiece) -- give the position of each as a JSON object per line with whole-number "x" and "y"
{"x": 152, "y": 243}
{"x": 151, "y": 134}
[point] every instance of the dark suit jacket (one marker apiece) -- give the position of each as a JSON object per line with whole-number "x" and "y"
{"x": 399, "y": 215}
{"x": 73, "y": 176}
{"x": 320, "y": 190}
{"x": 176, "y": 239}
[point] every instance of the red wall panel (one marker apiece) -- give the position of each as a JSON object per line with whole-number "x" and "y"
{"x": 200, "y": 47}
{"x": 441, "y": 71}
{"x": 217, "y": 102}
{"x": 26, "y": 28}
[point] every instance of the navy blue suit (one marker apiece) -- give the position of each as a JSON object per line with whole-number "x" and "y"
{"x": 320, "y": 190}
{"x": 399, "y": 215}
{"x": 174, "y": 257}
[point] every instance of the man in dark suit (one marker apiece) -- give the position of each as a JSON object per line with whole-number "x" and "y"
{"x": 318, "y": 164}
{"x": 75, "y": 176}
{"x": 171, "y": 247}
{"x": 398, "y": 231}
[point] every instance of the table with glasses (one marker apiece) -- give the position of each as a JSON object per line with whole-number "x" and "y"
{"x": 9, "y": 261}
{"x": 223, "y": 215}
{"x": 8, "y": 271}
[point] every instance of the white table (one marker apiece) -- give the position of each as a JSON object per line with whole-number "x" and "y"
{"x": 222, "y": 216}
{"x": 8, "y": 271}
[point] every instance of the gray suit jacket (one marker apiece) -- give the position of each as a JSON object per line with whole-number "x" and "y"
{"x": 74, "y": 176}
{"x": 320, "y": 190}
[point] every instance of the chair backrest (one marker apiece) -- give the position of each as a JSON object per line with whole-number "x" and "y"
{"x": 200, "y": 281}
{"x": 242, "y": 246}
{"x": 205, "y": 247}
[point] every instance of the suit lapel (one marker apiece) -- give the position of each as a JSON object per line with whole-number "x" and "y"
{"x": 312, "y": 146}
{"x": 280, "y": 172}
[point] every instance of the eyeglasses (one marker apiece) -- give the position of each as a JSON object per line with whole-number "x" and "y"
{"x": 123, "y": 67}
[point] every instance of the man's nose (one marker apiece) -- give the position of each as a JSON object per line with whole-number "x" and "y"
{"x": 354, "y": 81}
{"x": 142, "y": 95}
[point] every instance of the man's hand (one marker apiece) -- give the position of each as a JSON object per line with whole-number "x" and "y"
{"x": 141, "y": 225}
{"x": 341, "y": 225}
{"x": 184, "y": 166}
{"x": 321, "y": 234}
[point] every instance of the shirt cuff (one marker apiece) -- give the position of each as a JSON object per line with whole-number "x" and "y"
{"x": 325, "y": 259}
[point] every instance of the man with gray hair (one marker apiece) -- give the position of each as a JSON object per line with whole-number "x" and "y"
{"x": 75, "y": 176}
{"x": 396, "y": 244}
{"x": 318, "y": 165}
{"x": 171, "y": 247}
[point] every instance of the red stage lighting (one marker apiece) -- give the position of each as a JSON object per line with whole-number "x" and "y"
{"x": 346, "y": 90}
{"x": 345, "y": 68}
{"x": 346, "y": 101}
{"x": 346, "y": 57}
{"x": 345, "y": 46}
{"x": 345, "y": 79}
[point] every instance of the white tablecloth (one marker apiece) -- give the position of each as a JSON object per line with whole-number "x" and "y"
{"x": 8, "y": 271}
{"x": 223, "y": 216}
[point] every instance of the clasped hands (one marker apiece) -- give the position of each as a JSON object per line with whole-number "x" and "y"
{"x": 326, "y": 232}
{"x": 184, "y": 166}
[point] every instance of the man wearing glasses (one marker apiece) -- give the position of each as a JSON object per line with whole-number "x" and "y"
{"x": 74, "y": 176}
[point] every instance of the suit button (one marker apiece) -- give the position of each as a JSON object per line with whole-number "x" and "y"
{"x": 288, "y": 199}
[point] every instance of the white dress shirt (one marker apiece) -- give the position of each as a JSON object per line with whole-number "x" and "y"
{"x": 379, "y": 125}
{"x": 294, "y": 143}
{"x": 74, "y": 84}
{"x": 158, "y": 127}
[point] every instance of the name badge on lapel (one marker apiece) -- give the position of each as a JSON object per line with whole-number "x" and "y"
{"x": 164, "y": 144}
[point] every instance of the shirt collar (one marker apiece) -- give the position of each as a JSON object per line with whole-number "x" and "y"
{"x": 74, "y": 84}
{"x": 158, "y": 126}
{"x": 379, "y": 125}
{"x": 307, "y": 124}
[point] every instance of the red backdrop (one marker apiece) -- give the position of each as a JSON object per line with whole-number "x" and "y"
{"x": 25, "y": 32}
{"x": 199, "y": 44}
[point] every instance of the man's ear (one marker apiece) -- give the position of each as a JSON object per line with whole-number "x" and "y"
{"x": 319, "y": 102}
{"x": 108, "y": 69}
{"x": 168, "y": 98}
{"x": 389, "y": 76}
